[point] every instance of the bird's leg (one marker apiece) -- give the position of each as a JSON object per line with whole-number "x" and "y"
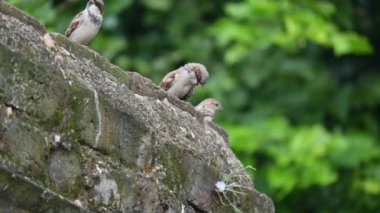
{"x": 92, "y": 51}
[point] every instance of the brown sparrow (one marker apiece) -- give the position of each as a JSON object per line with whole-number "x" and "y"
{"x": 208, "y": 108}
{"x": 181, "y": 82}
{"x": 86, "y": 24}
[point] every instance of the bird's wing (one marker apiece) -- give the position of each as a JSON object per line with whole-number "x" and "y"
{"x": 167, "y": 81}
{"x": 74, "y": 24}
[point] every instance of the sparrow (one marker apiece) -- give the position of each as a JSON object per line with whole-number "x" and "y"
{"x": 181, "y": 82}
{"x": 86, "y": 24}
{"x": 208, "y": 108}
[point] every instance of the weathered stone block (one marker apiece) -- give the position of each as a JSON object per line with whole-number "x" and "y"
{"x": 78, "y": 134}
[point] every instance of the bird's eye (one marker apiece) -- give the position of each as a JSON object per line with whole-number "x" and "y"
{"x": 100, "y": 6}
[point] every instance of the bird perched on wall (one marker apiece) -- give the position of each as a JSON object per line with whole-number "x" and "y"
{"x": 208, "y": 108}
{"x": 181, "y": 82}
{"x": 86, "y": 24}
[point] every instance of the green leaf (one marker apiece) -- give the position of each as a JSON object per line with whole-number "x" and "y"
{"x": 235, "y": 54}
{"x": 242, "y": 139}
{"x": 162, "y": 5}
{"x": 350, "y": 43}
{"x": 238, "y": 10}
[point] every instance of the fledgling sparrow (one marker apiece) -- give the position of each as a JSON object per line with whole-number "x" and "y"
{"x": 208, "y": 108}
{"x": 86, "y": 24}
{"x": 181, "y": 82}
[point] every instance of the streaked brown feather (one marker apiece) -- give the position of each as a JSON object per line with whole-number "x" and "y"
{"x": 73, "y": 26}
{"x": 167, "y": 81}
{"x": 198, "y": 74}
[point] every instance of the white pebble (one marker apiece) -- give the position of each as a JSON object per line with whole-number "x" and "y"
{"x": 220, "y": 186}
{"x": 9, "y": 111}
{"x": 57, "y": 138}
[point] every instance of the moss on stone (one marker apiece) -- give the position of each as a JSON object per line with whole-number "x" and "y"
{"x": 87, "y": 53}
{"x": 64, "y": 170}
{"x": 23, "y": 17}
{"x": 50, "y": 137}
{"x": 53, "y": 120}
{"x": 27, "y": 148}
{"x": 171, "y": 161}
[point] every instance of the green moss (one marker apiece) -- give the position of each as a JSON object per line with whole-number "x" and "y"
{"x": 76, "y": 100}
{"x": 172, "y": 167}
{"x": 27, "y": 148}
{"x": 74, "y": 116}
{"x": 23, "y": 17}
{"x": 54, "y": 120}
{"x": 119, "y": 74}
{"x": 85, "y": 52}
{"x": 65, "y": 172}
{"x": 6, "y": 68}
{"x": 109, "y": 138}
{"x": 28, "y": 53}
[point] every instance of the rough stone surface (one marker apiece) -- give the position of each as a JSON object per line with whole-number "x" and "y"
{"x": 78, "y": 134}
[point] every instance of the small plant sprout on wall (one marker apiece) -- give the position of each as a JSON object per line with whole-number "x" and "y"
{"x": 229, "y": 189}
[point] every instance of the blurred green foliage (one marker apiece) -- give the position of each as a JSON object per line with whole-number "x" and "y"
{"x": 299, "y": 81}
{"x": 289, "y": 25}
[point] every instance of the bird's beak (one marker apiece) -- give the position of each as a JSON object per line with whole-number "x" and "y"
{"x": 221, "y": 108}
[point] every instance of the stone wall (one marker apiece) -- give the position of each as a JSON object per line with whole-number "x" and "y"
{"x": 78, "y": 134}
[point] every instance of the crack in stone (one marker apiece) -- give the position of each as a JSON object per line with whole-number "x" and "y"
{"x": 99, "y": 115}
{"x": 195, "y": 207}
